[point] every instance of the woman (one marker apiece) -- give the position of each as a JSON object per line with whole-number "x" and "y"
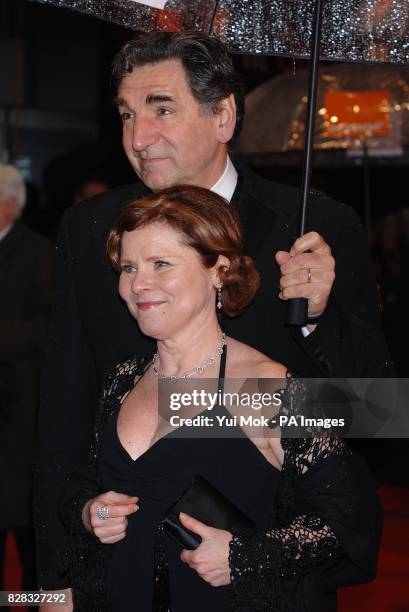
{"x": 178, "y": 253}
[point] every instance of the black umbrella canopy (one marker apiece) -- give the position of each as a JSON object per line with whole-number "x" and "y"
{"x": 353, "y": 30}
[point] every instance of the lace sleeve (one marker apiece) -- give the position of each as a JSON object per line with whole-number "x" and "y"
{"x": 265, "y": 566}
{"x": 87, "y": 557}
{"x": 323, "y": 500}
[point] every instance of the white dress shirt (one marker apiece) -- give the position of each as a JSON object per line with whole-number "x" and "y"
{"x": 226, "y": 184}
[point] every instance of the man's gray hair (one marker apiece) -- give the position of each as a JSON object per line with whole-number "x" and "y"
{"x": 12, "y": 184}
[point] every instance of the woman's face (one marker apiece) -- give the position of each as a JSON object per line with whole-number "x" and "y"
{"x": 164, "y": 283}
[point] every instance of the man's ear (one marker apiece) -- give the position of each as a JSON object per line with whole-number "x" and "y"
{"x": 225, "y": 112}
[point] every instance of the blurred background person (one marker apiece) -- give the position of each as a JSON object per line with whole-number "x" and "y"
{"x": 89, "y": 187}
{"x": 26, "y": 264}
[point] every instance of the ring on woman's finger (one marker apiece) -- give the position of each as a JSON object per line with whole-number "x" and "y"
{"x": 309, "y": 275}
{"x": 103, "y": 513}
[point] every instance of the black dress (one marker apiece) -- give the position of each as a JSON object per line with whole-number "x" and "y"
{"x": 158, "y": 477}
{"x": 318, "y": 520}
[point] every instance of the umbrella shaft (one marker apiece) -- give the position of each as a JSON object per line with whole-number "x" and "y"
{"x": 216, "y": 6}
{"x": 297, "y": 308}
{"x": 311, "y": 110}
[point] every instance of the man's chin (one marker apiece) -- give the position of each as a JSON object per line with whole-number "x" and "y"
{"x": 157, "y": 182}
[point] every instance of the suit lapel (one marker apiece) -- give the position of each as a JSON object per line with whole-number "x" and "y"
{"x": 269, "y": 212}
{"x": 257, "y": 220}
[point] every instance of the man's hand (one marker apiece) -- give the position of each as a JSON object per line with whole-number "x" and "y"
{"x": 211, "y": 559}
{"x": 305, "y": 274}
{"x": 119, "y": 506}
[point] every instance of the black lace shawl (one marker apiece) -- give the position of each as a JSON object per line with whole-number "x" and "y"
{"x": 328, "y": 512}
{"x": 329, "y": 521}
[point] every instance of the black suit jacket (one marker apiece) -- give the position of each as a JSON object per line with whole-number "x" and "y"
{"x": 91, "y": 329}
{"x": 26, "y": 276}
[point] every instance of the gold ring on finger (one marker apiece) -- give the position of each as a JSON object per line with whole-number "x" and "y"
{"x": 309, "y": 275}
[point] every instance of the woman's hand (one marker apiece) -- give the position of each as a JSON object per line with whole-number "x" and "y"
{"x": 119, "y": 506}
{"x": 211, "y": 559}
{"x": 67, "y": 607}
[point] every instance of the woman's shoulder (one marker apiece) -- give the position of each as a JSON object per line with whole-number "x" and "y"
{"x": 244, "y": 361}
{"x": 126, "y": 371}
{"x": 133, "y": 364}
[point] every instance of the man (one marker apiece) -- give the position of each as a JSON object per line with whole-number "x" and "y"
{"x": 181, "y": 103}
{"x": 25, "y": 279}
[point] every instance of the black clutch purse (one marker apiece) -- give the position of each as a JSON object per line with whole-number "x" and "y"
{"x": 206, "y": 504}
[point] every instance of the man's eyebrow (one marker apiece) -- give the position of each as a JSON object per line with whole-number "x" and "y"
{"x": 150, "y": 99}
{"x": 118, "y": 101}
{"x": 154, "y": 98}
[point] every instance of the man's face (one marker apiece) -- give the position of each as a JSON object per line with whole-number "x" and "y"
{"x": 168, "y": 136}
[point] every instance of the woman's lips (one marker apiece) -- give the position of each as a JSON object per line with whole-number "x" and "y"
{"x": 148, "y": 305}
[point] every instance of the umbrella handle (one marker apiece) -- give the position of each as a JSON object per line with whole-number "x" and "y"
{"x": 297, "y": 312}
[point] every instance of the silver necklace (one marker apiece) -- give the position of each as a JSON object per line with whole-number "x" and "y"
{"x": 190, "y": 373}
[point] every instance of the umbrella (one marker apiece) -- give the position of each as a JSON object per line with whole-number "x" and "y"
{"x": 347, "y": 30}
{"x": 352, "y": 30}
